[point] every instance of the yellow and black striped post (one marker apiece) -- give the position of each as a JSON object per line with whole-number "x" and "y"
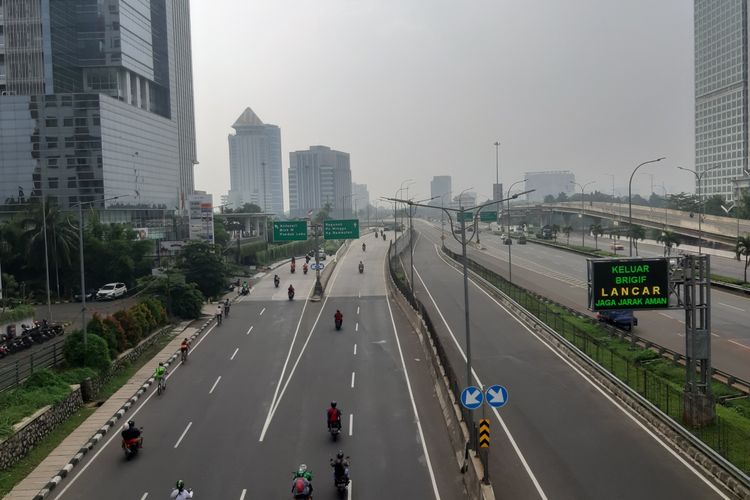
{"x": 484, "y": 433}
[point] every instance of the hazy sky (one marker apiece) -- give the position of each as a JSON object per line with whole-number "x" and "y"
{"x": 416, "y": 88}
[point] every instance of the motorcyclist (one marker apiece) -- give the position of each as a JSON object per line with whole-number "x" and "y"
{"x": 276, "y": 280}
{"x": 290, "y": 291}
{"x": 294, "y": 260}
{"x": 364, "y": 247}
{"x": 293, "y": 266}
{"x": 304, "y": 268}
{"x": 338, "y": 317}
{"x": 302, "y": 487}
{"x": 227, "y": 305}
{"x": 361, "y": 266}
{"x": 180, "y": 492}
{"x": 185, "y": 345}
{"x": 131, "y": 432}
{"x": 333, "y": 416}
{"x": 340, "y": 467}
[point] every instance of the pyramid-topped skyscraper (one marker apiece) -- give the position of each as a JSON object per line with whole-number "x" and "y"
{"x": 255, "y": 164}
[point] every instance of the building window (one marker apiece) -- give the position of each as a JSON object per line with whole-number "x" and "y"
{"x": 50, "y": 122}
{"x": 68, "y": 122}
{"x": 52, "y": 182}
{"x": 71, "y": 182}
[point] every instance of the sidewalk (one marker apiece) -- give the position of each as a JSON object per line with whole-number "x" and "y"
{"x": 61, "y": 461}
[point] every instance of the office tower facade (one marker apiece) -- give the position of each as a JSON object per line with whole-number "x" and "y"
{"x": 97, "y": 104}
{"x": 320, "y": 176}
{"x": 255, "y": 164}
{"x": 721, "y": 96}
{"x": 552, "y": 183}
{"x": 360, "y": 198}
{"x": 441, "y": 187}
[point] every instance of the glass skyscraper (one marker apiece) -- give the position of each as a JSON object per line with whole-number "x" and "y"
{"x": 721, "y": 95}
{"x": 320, "y": 176}
{"x": 96, "y": 103}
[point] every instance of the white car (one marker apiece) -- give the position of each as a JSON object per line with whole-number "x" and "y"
{"x": 111, "y": 291}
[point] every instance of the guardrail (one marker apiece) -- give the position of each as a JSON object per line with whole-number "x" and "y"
{"x": 14, "y": 373}
{"x": 723, "y": 442}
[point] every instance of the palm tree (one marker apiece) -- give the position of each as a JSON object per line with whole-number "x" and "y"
{"x": 743, "y": 249}
{"x": 636, "y": 233}
{"x": 669, "y": 239}
{"x": 567, "y": 229}
{"x": 596, "y": 230}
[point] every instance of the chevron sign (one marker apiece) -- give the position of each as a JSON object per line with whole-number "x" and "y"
{"x": 484, "y": 433}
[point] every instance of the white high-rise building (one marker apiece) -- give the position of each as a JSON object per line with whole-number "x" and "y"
{"x": 360, "y": 197}
{"x": 255, "y": 164}
{"x": 320, "y": 176}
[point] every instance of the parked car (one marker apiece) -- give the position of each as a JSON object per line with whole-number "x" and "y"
{"x": 89, "y": 295}
{"x": 522, "y": 240}
{"x": 621, "y": 318}
{"x": 111, "y": 291}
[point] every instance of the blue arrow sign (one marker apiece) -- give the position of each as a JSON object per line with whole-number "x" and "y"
{"x": 497, "y": 396}
{"x": 315, "y": 267}
{"x": 471, "y": 397}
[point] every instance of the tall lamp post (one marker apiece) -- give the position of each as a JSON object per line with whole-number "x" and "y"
{"x": 497, "y": 162}
{"x": 509, "y": 241}
{"x": 583, "y": 187}
{"x": 395, "y": 207}
{"x": 630, "y": 199}
{"x": 702, "y": 214}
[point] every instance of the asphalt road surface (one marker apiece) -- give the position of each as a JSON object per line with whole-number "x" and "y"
{"x": 561, "y": 276}
{"x": 249, "y": 405}
{"x": 560, "y": 436}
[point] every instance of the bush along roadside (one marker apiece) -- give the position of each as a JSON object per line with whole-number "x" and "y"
{"x": 657, "y": 379}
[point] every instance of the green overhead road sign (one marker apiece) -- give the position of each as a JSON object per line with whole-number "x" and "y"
{"x": 467, "y": 216}
{"x": 344, "y": 229}
{"x": 488, "y": 216}
{"x": 290, "y": 230}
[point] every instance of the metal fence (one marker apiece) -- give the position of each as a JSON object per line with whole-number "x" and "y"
{"x": 19, "y": 366}
{"x": 724, "y": 436}
{"x": 398, "y": 274}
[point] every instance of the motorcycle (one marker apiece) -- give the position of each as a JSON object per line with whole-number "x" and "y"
{"x": 340, "y": 477}
{"x": 361, "y": 268}
{"x": 131, "y": 447}
{"x": 338, "y": 323}
{"x": 245, "y": 290}
{"x": 335, "y": 430}
{"x": 293, "y": 268}
{"x": 383, "y": 236}
{"x": 364, "y": 247}
{"x": 276, "y": 282}
{"x": 304, "y": 269}
{"x": 290, "y": 293}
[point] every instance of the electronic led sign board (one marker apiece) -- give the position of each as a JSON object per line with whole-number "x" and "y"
{"x": 628, "y": 284}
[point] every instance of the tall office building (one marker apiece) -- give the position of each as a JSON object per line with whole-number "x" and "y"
{"x": 721, "y": 96}
{"x": 255, "y": 164}
{"x": 550, "y": 183}
{"x": 441, "y": 187}
{"x": 97, "y": 103}
{"x": 360, "y": 197}
{"x": 320, "y": 176}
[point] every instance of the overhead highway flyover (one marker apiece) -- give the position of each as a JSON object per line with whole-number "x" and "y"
{"x": 249, "y": 405}
{"x": 560, "y": 436}
{"x": 561, "y": 276}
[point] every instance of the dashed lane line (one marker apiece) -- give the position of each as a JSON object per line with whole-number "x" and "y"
{"x": 189, "y": 425}
{"x": 215, "y": 384}
{"x": 234, "y": 354}
{"x": 262, "y": 311}
{"x": 353, "y": 373}
{"x": 250, "y": 330}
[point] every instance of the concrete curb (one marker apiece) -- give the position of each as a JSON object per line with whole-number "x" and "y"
{"x": 94, "y": 440}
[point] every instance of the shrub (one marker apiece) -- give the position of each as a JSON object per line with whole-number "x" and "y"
{"x": 140, "y": 322}
{"x": 95, "y": 355}
{"x": 97, "y": 326}
{"x": 111, "y": 323}
{"x": 129, "y": 326}
{"x": 77, "y": 375}
{"x": 186, "y": 300}
{"x": 157, "y": 310}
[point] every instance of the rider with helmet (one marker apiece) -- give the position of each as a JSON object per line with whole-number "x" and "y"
{"x": 333, "y": 416}
{"x": 340, "y": 467}
{"x": 180, "y": 492}
{"x": 302, "y": 487}
{"x": 131, "y": 432}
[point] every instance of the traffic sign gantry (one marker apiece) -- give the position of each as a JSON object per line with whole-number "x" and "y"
{"x": 471, "y": 397}
{"x": 496, "y": 396}
{"x": 488, "y": 216}
{"x": 484, "y": 433}
{"x": 344, "y": 229}
{"x": 290, "y": 230}
{"x": 467, "y": 216}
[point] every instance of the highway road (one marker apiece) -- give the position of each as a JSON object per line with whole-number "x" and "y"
{"x": 560, "y": 436}
{"x": 561, "y": 276}
{"x": 249, "y": 405}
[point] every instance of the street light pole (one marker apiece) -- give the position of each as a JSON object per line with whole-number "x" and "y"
{"x": 509, "y": 239}
{"x": 583, "y": 209}
{"x": 630, "y": 200}
{"x": 702, "y": 213}
{"x": 497, "y": 162}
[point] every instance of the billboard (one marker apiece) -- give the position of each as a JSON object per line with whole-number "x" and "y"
{"x": 201, "y": 222}
{"x": 628, "y": 284}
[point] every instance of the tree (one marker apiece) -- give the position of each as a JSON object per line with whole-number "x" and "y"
{"x": 203, "y": 265}
{"x": 562, "y": 197}
{"x": 743, "y": 249}
{"x": 324, "y": 213}
{"x": 636, "y": 233}
{"x": 549, "y": 199}
{"x": 669, "y": 239}
{"x": 567, "y": 229}
{"x": 712, "y": 205}
{"x": 596, "y": 231}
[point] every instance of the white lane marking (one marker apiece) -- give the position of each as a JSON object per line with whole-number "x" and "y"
{"x": 262, "y": 311}
{"x": 513, "y": 443}
{"x": 359, "y": 295}
{"x": 351, "y": 423}
{"x": 144, "y": 496}
{"x": 250, "y": 330}
{"x": 215, "y": 384}
{"x": 356, "y": 326}
{"x": 355, "y": 349}
{"x": 352, "y": 380}
{"x": 592, "y": 383}
{"x": 189, "y": 425}
{"x": 135, "y": 412}
{"x": 349, "y": 497}
{"x": 242, "y": 496}
{"x": 714, "y": 334}
{"x": 357, "y": 309}
{"x": 234, "y": 354}
{"x": 276, "y": 400}
{"x": 739, "y": 344}
{"x": 413, "y": 403}
{"x": 666, "y": 315}
{"x": 731, "y": 306}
